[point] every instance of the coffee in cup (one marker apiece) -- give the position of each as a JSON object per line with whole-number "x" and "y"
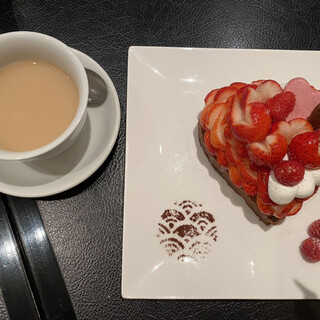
{"x": 43, "y": 96}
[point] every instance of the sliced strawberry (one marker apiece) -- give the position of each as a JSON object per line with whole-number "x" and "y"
{"x": 262, "y": 181}
{"x": 292, "y": 128}
{"x": 268, "y": 152}
{"x": 295, "y": 208}
{"x": 305, "y": 148}
{"x": 217, "y": 137}
{"x": 251, "y": 124}
{"x": 281, "y": 211}
{"x": 243, "y": 91}
{"x": 204, "y": 114}
{"x": 224, "y": 94}
{"x": 208, "y": 144}
{"x": 247, "y": 174}
{"x": 249, "y": 95}
{"x": 227, "y": 132}
{"x": 242, "y": 149}
{"x": 210, "y": 96}
{"x": 238, "y": 85}
{"x": 283, "y": 128}
{"x": 235, "y": 175}
{"x": 266, "y": 90}
{"x": 231, "y": 152}
{"x": 250, "y": 190}
{"x": 300, "y": 125}
{"x": 281, "y": 105}
{"x": 212, "y": 114}
{"x": 257, "y": 82}
{"x": 221, "y": 158}
{"x": 263, "y": 207}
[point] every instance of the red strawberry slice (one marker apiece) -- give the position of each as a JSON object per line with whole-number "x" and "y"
{"x": 305, "y": 148}
{"x": 252, "y": 123}
{"x": 310, "y": 249}
{"x": 281, "y": 105}
{"x": 262, "y": 181}
{"x": 235, "y": 175}
{"x": 268, "y": 152}
{"x": 231, "y": 151}
{"x": 251, "y": 190}
{"x": 238, "y": 85}
{"x": 221, "y": 158}
{"x": 268, "y": 89}
{"x": 281, "y": 211}
{"x": 248, "y": 175}
{"x": 224, "y": 94}
{"x": 211, "y": 115}
{"x": 263, "y": 207}
{"x": 257, "y": 82}
{"x": 314, "y": 229}
{"x": 210, "y": 96}
{"x": 295, "y": 208}
{"x": 300, "y": 125}
{"x": 283, "y": 128}
{"x": 243, "y": 92}
{"x": 292, "y": 128}
{"x": 208, "y": 144}
{"x": 204, "y": 114}
{"x": 217, "y": 137}
{"x": 265, "y": 91}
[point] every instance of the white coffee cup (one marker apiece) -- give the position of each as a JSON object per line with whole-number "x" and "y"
{"x": 21, "y": 45}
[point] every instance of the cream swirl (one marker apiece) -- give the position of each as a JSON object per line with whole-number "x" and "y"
{"x": 282, "y": 194}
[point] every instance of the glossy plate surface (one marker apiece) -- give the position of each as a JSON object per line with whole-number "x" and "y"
{"x": 83, "y": 158}
{"x": 186, "y": 233}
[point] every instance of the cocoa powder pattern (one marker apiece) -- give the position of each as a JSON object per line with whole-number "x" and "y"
{"x": 186, "y": 231}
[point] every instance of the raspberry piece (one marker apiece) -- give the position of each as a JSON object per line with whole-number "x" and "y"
{"x": 314, "y": 229}
{"x": 289, "y": 173}
{"x": 310, "y": 249}
{"x": 281, "y": 105}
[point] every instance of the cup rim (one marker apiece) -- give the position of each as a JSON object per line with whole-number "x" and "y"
{"x": 82, "y": 104}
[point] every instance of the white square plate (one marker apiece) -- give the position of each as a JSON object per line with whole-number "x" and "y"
{"x": 172, "y": 248}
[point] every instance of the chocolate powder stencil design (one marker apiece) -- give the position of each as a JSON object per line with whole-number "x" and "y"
{"x": 187, "y": 231}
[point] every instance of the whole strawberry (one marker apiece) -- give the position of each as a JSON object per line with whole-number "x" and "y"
{"x": 305, "y": 149}
{"x": 289, "y": 172}
{"x": 310, "y": 249}
{"x": 281, "y": 105}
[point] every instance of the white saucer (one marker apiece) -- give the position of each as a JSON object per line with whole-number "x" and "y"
{"x": 82, "y": 159}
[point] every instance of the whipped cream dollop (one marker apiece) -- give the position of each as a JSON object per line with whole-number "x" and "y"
{"x": 282, "y": 194}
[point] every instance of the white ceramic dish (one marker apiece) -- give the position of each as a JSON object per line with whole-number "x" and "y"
{"x": 82, "y": 159}
{"x": 239, "y": 258}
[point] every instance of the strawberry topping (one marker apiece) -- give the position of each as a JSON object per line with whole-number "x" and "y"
{"x": 247, "y": 129}
{"x": 268, "y": 152}
{"x": 305, "y": 148}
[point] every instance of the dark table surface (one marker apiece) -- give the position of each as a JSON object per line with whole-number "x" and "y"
{"x": 85, "y": 224}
